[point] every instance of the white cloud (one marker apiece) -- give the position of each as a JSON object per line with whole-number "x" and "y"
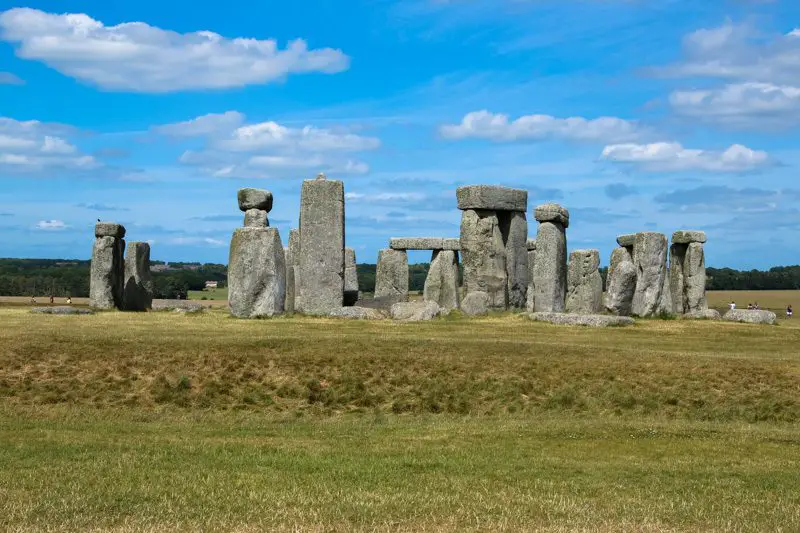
{"x": 673, "y": 157}
{"x": 384, "y": 197}
{"x": 273, "y": 135}
{"x": 135, "y": 56}
{"x": 191, "y": 241}
{"x": 51, "y": 225}
{"x": 32, "y": 146}
{"x": 210, "y": 124}
{"x": 486, "y": 125}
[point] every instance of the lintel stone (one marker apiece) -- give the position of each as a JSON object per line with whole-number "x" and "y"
{"x": 109, "y": 229}
{"x": 451, "y": 245}
{"x": 255, "y": 199}
{"x": 688, "y": 236}
{"x": 492, "y": 197}
{"x": 552, "y": 213}
{"x": 626, "y": 240}
{"x": 416, "y": 243}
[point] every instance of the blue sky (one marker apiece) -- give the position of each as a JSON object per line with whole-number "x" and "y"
{"x": 634, "y": 114}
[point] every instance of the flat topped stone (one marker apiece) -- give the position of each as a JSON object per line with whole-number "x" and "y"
{"x": 531, "y": 244}
{"x": 748, "y": 316}
{"x": 255, "y": 199}
{"x": 626, "y": 240}
{"x": 492, "y": 197}
{"x": 592, "y": 321}
{"x": 451, "y": 245}
{"x": 552, "y": 213}
{"x": 416, "y": 243}
{"x": 688, "y": 237}
{"x": 109, "y": 229}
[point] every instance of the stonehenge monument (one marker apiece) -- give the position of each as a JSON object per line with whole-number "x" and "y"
{"x": 441, "y": 284}
{"x": 550, "y": 267}
{"x": 494, "y": 234}
{"x": 108, "y": 266}
{"x": 650, "y": 261}
{"x": 138, "y": 285}
{"x": 621, "y": 280}
{"x": 687, "y": 272}
{"x": 584, "y": 284}
{"x": 391, "y": 275}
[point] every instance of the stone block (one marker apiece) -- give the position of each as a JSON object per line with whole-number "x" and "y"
{"x": 620, "y": 283}
{"x": 650, "y": 260}
{"x": 109, "y": 229}
{"x": 106, "y": 273}
{"x": 453, "y": 245}
{"x": 750, "y": 316}
{"x": 391, "y": 275}
{"x": 584, "y": 283}
{"x": 350, "y": 278}
{"x": 627, "y": 240}
{"x": 550, "y": 269}
{"x": 256, "y": 273}
{"x": 138, "y": 284}
{"x": 514, "y": 228}
{"x": 491, "y": 198}
{"x": 688, "y": 236}
{"x": 256, "y": 218}
{"x": 552, "y": 213}
{"x": 483, "y": 254}
{"x": 441, "y": 284}
{"x": 415, "y": 311}
{"x": 255, "y": 199}
{"x": 592, "y": 321}
{"x": 357, "y": 313}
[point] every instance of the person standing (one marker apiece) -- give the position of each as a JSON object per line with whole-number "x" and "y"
{"x": 789, "y": 311}
{"x": 733, "y": 306}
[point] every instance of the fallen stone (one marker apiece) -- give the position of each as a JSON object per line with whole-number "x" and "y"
{"x": 109, "y": 229}
{"x": 483, "y": 254}
{"x": 552, "y": 213}
{"x": 493, "y": 198}
{"x": 531, "y": 244}
{"x": 350, "y": 278}
{"x": 592, "y": 321}
{"x": 61, "y": 310}
{"x": 750, "y": 316}
{"x": 514, "y": 228}
{"x": 358, "y": 313}
{"x": 688, "y": 236}
{"x": 256, "y": 273}
{"x": 256, "y": 218}
{"x": 382, "y": 304}
{"x": 584, "y": 283}
{"x": 391, "y": 275}
{"x": 708, "y": 314}
{"x": 441, "y": 284}
{"x": 106, "y": 273}
{"x": 475, "y": 303}
{"x": 627, "y": 240}
{"x": 415, "y": 311}
{"x": 550, "y": 269}
{"x": 453, "y": 245}
{"x": 650, "y": 260}
{"x": 138, "y": 285}
{"x": 320, "y": 283}
{"x": 621, "y": 283}
{"x": 255, "y": 199}
{"x": 416, "y": 243}
{"x": 182, "y": 306}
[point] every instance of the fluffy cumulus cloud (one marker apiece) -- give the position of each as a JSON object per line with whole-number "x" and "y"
{"x": 33, "y": 146}
{"x": 498, "y": 127}
{"x": 268, "y": 149}
{"x": 135, "y": 56}
{"x": 673, "y": 157}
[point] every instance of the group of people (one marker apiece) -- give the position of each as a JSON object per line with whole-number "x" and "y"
{"x": 756, "y": 307}
{"x": 52, "y": 300}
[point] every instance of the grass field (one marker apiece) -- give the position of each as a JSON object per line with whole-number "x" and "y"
{"x": 209, "y": 294}
{"x": 164, "y": 422}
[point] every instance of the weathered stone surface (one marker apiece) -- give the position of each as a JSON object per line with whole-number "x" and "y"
{"x": 288, "y": 300}
{"x": 441, "y": 285}
{"x": 492, "y": 198}
{"x": 109, "y": 229}
{"x": 182, "y": 306}
{"x": 627, "y": 240}
{"x": 665, "y": 306}
{"x": 592, "y": 321}
{"x": 677, "y": 255}
{"x": 514, "y": 228}
{"x": 350, "y": 278}
{"x": 483, "y": 254}
{"x": 708, "y": 314}
{"x": 694, "y": 278}
{"x": 584, "y": 283}
{"x": 531, "y": 244}
{"x": 416, "y": 243}
{"x": 255, "y": 199}
{"x": 107, "y": 272}
{"x": 61, "y": 310}
{"x": 550, "y": 269}
{"x": 688, "y": 236}
{"x": 475, "y": 303}
{"x": 454, "y": 245}
{"x": 552, "y": 213}
{"x": 320, "y": 283}
{"x": 358, "y": 313}
{"x": 531, "y": 299}
{"x": 650, "y": 260}
{"x": 391, "y": 276}
{"x": 415, "y": 311}
{"x": 620, "y": 283}
{"x": 256, "y": 218}
{"x": 138, "y": 285}
{"x": 256, "y": 273}
{"x": 292, "y": 270}
{"x": 382, "y": 304}
{"x": 750, "y": 316}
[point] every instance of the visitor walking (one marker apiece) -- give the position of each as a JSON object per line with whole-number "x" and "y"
{"x": 69, "y": 300}
{"x": 733, "y": 306}
{"x": 789, "y": 312}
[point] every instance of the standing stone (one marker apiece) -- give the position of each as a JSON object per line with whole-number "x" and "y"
{"x": 138, "y": 286}
{"x": 350, "y": 278}
{"x": 288, "y": 300}
{"x": 391, "y": 275}
{"x": 108, "y": 266}
{"x": 584, "y": 283}
{"x": 621, "y": 282}
{"x": 531, "y": 299}
{"x": 441, "y": 285}
{"x": 694, "y": 277}
{"x": 484, "y": 256}
{"x": 292, "y": 270}
{"x": 514, "y": 228}
{"x": 550, "y": 269}
{"x": 256, "y": 273}
{"x": 322, "y": 235}
{"x": 256, "y": 218}
{"x": 650, "y": 260}
{"x": 665, "y": 306}
{"x": 677, "y": 256}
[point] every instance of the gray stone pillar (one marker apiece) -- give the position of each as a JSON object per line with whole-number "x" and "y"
{"x": 550, "y": 269}
{"x": 441, "y": 285}
{"x": 531, "y": 297}
{"x": 256, "y": 273}
{"x": 391, "y": 276}
{"x": 350, "y": 278}
{"x": 138, "y": 285}
{"x": 514, "y": 227}
{"x": 292, "y": 269}
{"x": 584, "y": 283}
{"x": 688, "y": 272}
{"x": 108, "y": 266}
{"x": 650, "y": 260}
{"x": 621, "y": 281}
{"x": 320, "y": 284}
{"x": 483, "y": 254}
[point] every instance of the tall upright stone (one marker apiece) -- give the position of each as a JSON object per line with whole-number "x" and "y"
{"x": 108, "y": 266}
{"x": 584, "y": 283}
{"x": 483, "y": 254}
{"x": 550, "y": 269}
{"x": 650, "y": 260}
{"x": 138, "y": 284}
{"x": 514, "y": 228}
{"x": 688, "y": 272}
{"x": 391, "y": 275}
{"x": 292, "y": 269}
{"x": 322, "y": 235}
{"x": 256, "y": 273}
{"x": 350, "y": 278}
{"x": 531, "y": 299}
{"x": 441, "y": 285}
{"x": 620, "y": 282}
